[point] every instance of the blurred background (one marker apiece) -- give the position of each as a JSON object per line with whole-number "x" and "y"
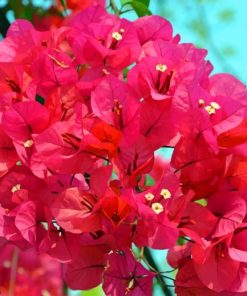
{"x": 217, "y": 25}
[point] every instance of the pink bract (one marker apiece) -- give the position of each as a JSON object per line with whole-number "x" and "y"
{"x": 87, "y": 110}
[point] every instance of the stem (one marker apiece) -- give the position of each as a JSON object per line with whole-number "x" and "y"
{"x": 167, "y": 146}
{"x": 125, "y": 11}
{"x": 13, "y": 272}
{"x": 65, "y": 289}
{"x": 114, "y": 7}
{"x": 4, "y": 23}
{"x": 151, "y": 261}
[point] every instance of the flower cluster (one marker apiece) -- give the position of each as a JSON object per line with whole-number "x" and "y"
{"x": 27, "y": 273}
{"x": 85, "y": 110}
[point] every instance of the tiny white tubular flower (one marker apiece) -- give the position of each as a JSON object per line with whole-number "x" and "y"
{"x": 157, "y": 207}
{"x": 211, "y": 109}
{"x": 117, "y": 36}
{"x": 15, "y": 188}
{"x": 28, "y": 143}
{"x": 149, "y": 196}
{"x": 161, "y": 67}
{"x": 165, "y": 193}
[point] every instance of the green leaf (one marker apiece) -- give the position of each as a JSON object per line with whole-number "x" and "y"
{"x": 64, "y": 4}
{"x": 226, "y": 15}
{"x": 229, "y": 51}
{"x": 181, "y": 241}
{"x": 140, "y": 8}
{"x": 40, "y": 99}
{"x": 149, "y": 181}
{"x": 145, "y": 2}
{"x": 98, "y": 291}
{"x": 203, "y": 202}
{"x": 199, "y": 28}
{"x": 125, "y": 72}
{"x": 124, "y": 2}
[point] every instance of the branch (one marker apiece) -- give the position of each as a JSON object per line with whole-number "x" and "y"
{"x": 114, "y": 7}
{"x": 161, "y": 279}
{"x": 13, "y": 272}
{"x": 4, "y": 23}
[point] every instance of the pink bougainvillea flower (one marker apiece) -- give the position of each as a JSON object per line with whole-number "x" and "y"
{"x": 59, "y": 147}
{"x": 73, "y": 210}
{"x": 86, "y": 270}
{"x": 150, "y": 28}
{"x": 21, "y": 123}
{"x": 109, "y": 138}
{"x": 8, "y": 155}
{"x": 230, "y": 209}
{"x": 187, "y": 284}
{"x": 28, "y": 220}
{"x": 114, "y": 102}
{"x": 153, "y": 77}
{"x": 126, "y": 276}
{"x": 86, "y": 110}
{"x": 57, "y": 70}
{"x": 116, "y": 208}
{"x": 215, "y": 257}
{"x": 108, "y": 43}
{"x": 191, "y": 219}
{"x": 36, "y": 274}
{"x": 75, "y": 5}
{"x": 234, "y": 136}
{"x": 237, "y": 249}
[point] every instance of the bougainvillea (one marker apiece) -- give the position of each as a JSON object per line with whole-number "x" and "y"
{"x": 85, "y": 109}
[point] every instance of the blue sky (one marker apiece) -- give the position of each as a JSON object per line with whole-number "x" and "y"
{"x": 231, "y": 34}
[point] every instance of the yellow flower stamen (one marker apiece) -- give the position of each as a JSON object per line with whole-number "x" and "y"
{"x": 28, "y": 143}
{"x": 161, "y": 67}
{"x": 117, "y": 36}
{"x": 165, "y": 193}
{"x": 211, "y": 109}
{"x": 15, "y": 188}
{"x": 201, "y": 102}
{"x": 149, "y": 196}
{"x": 157, "y": 207}
{"x": 215, "y": 105}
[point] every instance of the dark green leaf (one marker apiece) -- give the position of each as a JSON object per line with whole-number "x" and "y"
{"x": 181, "y": 241}
{"x": 64, "y": 4}
{"x": 40, "y": 99}
{"x": 140, "y": 8}
{"x": 144, "y": 2}
{"x": 4, "y": 23}
{"x": 203, "y": 202}
{"x": 149, "y": 181}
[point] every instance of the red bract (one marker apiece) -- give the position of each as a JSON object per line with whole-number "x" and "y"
{"x": 214, "y": 257}
{"x": 108, "y": 42}
{"x": 114, "y": 102}
{"x": 8, "y": 156}
{"x": 60, "y": 151}
{"x": 35, "y": 274}
{"x": 125, "y": 276}
{"x": 150, "y": 28}
{"x": 86, "y": 270}
{"x": 73, "y": 211}
{"x": 86, "y": 110}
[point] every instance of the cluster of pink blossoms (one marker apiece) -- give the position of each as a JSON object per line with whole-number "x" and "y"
{"x": 84, "y": 109}
{"x": 28, "y": 273}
